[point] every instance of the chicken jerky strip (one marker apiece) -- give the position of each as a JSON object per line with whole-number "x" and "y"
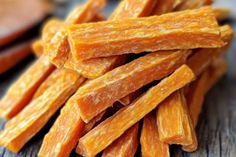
{"x": 112, "y": 128}
{"x": 187, "y": 30}
{"x": 150, "y": 142}
{"x": 99, "y": 94}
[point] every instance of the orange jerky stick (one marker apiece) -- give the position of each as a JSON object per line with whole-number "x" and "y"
{"x": 33, "y": 117}
{"x": 109, "y": 38}
{"x": 94, "y": 68}
{"x": 21, "y": 92}
{"x": 113, "y": 127}
{"x": 174, "y": 122}
{"x": 150, "y": 143}
{"x": 12, "y": 56}
{"x": 37, "y": 47}
{"x": 203, "y": 57}
{"x": 101, "y": 93}
{"x": 165, "y": 6}
{"x": 58, "y": 47}
{"x": 201, "y": 86}
{"x": 125, "y": 146}
{"x": 64, "y": 133}
{"x": 192, "y": 4}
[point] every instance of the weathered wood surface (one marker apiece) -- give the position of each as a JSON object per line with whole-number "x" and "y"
{"x": 216, "y": 129}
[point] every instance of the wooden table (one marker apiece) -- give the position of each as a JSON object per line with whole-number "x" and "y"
{"x": 216, "y": 129}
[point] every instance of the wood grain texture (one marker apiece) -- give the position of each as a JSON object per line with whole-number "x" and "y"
{"x": 216, "y": 129}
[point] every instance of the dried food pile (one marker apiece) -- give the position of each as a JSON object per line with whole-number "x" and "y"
{"x": 142, "y": 69}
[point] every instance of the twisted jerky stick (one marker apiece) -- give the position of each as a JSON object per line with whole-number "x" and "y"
{"x": 21, "y": 92}
{"x": 125, "y": 146}
{"x": 99, "y": 94}
{"x": 109, "y": 38}
{"x": 94, "y": 68}
{"x": 174, "y": 122}
{"x": 113, "y": 127}
{"x": 150, "y": 142}
{"x": 12, "y": 56}
{"x": 33, "y": 117}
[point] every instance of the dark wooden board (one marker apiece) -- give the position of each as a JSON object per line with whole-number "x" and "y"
{"x": 216, "y": 129}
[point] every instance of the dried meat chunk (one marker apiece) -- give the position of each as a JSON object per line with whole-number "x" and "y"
{"x": 101, "y": 93}
{"x": 33, "y": 117}
{"x": 165, "y": 6}
{"x": 173, "y": 120}
{"x": 133, "y": 8}
{"x": 116, "y": 37}
{"x": 151, "y": 145}
{"x": 113, "y": 127}
{"x": 221, "y": 13}
{"x": 58, "y": 47}
{"x": 203, "y": 57}
{"x": 94, "y": 68}
{"x": 37, "y": 47}
{"x": 12, "y": 56}
{"x": 21, "y": 92}
{"x": 64, "y": 133}
{"x": 187, "y": 4}
{"x": 125, "y": 146}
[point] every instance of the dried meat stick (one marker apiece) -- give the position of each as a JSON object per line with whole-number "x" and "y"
{"x": 187, "y": 4}
{"x": 33, "y": 117}
{"x": 151, "y": 145}
{"x": 58, "y": 48}
{"x": 154, "y": 33}
{"x": 201, "y": 86}
{"x": 125, "y": 146}
{"x": 12, "y": 56}
{"x": 174, "y": 122}
{"x": 64, "y": 133}
{"x": 203, "y": 57}
{"x": 113, "y": 127}
{"x": 94, "y": 68}
{"x": 165, "y": 6}
{"x": 21, "y": 92}
{"x": 221, "y": 13}
{"x": 37, "y": 47}
{"x": 101, "y": 93}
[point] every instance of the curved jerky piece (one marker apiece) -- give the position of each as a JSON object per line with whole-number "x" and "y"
{"x": 37, "y": 47}
{"x": 125, "y": 146}
{"x": 174, "y": 122}
{"x": 99, "y": 94}
{"x": 58, "y": 47}
{"x": 21, "y": 92}
{"x": 186, "y": 31}
{"x": 203, "y": 57}
{"x": 94, "y": 68}
{"x": 33, "y": 117}
{"x": 12, "y": 56}
{"x": 193, "y": 4}
{"x": 113, "y": 127}
{"x": 151, "y": 145}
